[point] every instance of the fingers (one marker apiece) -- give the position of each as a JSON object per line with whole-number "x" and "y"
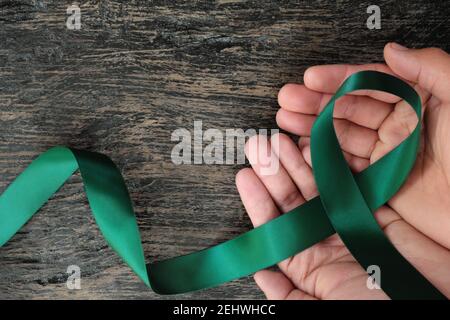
{"x": 292, "y": 160}
{"x": 354, "y": 139}
{"x": 256, "y": 199}
{"x": 398, "y": 125}
{"x": 429, "y": 67}
{"x": 396, "y": 128}
{"x": 298, "y": 98}
{"x": 280, "y": 186}
{"x": 266, "y": 196}
{"x": 328, "y": 78}
{"x": 276, "y": 286}
{"x": 296, "y": 123}
{"x": 355, "y": 163}
{"x": 361, "y": 110}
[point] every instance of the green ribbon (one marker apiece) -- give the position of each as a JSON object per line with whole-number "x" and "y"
{"x": 346, "y": 205}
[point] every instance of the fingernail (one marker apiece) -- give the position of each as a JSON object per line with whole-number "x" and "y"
{"x": 397, "y": 46}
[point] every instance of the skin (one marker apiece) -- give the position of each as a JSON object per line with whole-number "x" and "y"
{"x": 368, "y": 124}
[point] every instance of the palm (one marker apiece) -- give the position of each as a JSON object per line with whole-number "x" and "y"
{"x": 368, "y": 126}
{"x": 425, "y": 198}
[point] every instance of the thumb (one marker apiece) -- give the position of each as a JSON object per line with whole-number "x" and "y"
{"x": 429, "y": 67}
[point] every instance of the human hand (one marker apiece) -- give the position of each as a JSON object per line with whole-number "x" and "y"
{"x": 368, "y": 124}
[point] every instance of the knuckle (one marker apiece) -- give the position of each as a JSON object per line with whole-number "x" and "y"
{"x": 289, "y": 200}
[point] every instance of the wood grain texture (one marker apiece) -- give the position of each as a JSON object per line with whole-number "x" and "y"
{"x": 136, "y": 71}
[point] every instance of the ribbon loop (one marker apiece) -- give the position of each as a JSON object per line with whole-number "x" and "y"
{"x": 346, "y": 205}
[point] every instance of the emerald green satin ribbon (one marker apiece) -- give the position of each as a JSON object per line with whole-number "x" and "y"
{"x": 346, "y": 205}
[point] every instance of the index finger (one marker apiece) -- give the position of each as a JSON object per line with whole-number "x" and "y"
{"x": 328, "y": 78}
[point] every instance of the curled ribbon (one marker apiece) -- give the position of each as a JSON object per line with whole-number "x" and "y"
{"x": 345, "y": 206}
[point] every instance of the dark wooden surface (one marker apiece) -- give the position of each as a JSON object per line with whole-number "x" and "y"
{"x": 136, "y": 71}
